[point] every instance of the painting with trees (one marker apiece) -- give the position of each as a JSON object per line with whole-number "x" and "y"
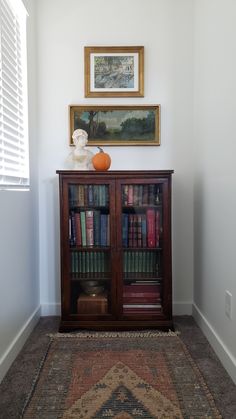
{"x": 117, "y": 125}
{"x": 114, "y": 71}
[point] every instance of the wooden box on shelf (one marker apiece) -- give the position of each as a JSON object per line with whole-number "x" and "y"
{"x": 115, "y": 230}
{"x": 92, "y": 304}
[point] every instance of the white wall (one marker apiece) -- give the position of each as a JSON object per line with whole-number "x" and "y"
{"x": 164, "y": 27}
{"x": 215, "y": 177}
{"x": 19, "y": 279}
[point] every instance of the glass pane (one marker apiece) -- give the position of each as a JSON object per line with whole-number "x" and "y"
{"x": 142, "y": 248}
{"x": 90, "y": 255}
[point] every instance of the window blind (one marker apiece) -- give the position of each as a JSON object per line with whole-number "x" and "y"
{"x": 14, "y": 159}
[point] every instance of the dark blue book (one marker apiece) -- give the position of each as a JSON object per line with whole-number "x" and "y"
{"x": 90, "y": 195}
{"x": 144, "y": 231}
{"x": 97, "y": 228}
{"x": 103, "y": 230}
{"x": 125, "y": 222}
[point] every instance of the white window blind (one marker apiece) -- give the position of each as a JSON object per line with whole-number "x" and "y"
{"x": 14, "y": 159}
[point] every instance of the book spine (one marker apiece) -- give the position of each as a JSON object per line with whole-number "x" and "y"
{"x": 103, "y": 226}
{"x": 158, "y": 228}
{"x": 144, "y": 231}
{"x": 78, "y": 238}
{"x": 136, "y": 194}
{"x": 130, "y": 195}
{"x": 96, "y": 195}
{"x": 81, "y": 195}
{"x": 145, "y": 195}
{"x": 151, "y": 233}
{"x": 131, "y": 230}
{"x": 90, "y": 195}
{"x": 139, "y": 230}
{"x": 140, "y": 195}
{"x": 83, "y": 228}
{"x": 125, "y": 192}
{"x": 85, "y": 195}
{"x": 108, "y": 231}
{"x": 151, "y": 194}
{"x": 89, "y": 228}
{"x": 142, "y": 299}
{"x": 97, "y": 228}
{"x": 106, "y": 191}
{"x": 135, "y": 231}
{"x": 72, "y": 240}
{"x": 103, "y": 195}
{"x": 125, "y": 221}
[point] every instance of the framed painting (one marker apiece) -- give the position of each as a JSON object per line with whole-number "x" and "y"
{"x": 114, "y": 71}
{"x": 117, "y": 125}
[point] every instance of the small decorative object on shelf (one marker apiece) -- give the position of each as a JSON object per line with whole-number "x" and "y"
{"x": 80, "y": 157}
{"x": 115, "y": 249}
{"x": 101, "y": 161}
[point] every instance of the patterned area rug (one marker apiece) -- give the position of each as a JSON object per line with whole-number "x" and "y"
{"x": 119, "y": 376}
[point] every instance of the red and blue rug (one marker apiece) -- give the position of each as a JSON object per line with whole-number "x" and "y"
{"x": 120, "y": 376}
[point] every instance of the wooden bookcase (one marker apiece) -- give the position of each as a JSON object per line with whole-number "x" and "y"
{"x": 115, "y": 231}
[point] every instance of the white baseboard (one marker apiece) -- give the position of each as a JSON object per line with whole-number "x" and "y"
{"x": 182, "y": 308}
{"x": 179, "y": 308}
{"x": 50, "y": 309}
{"x": 225, "y": 356}
{"x": 18, "y": 342}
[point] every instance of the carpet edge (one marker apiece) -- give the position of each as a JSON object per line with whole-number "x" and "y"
{"x": 36, "y": 378}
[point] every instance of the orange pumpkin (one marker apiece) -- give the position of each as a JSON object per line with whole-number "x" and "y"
{"x": 101, "y": 161}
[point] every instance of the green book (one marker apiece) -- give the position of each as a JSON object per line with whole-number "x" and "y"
{"x": 87, "y": 262}
{"x": 83, "y": 227}
{"x": 83, "y": 262}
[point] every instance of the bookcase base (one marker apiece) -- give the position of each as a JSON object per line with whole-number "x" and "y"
{"x": 163, "y": 325}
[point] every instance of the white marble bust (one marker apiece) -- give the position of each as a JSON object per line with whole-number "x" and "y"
{"x": 81, "y": 157}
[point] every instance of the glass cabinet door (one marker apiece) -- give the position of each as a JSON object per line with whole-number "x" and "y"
{"x": 142, "y": 241}
{"x": 89, "y": 249}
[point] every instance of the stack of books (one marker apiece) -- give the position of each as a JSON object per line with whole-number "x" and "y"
{"x": 141, "y": 298}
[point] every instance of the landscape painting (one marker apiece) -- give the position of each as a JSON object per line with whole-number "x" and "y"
{"x": 114, "y": 71}
{"x": 117, "y": 125}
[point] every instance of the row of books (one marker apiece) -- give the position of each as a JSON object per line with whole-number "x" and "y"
{"x": 142, "y": 230}
{"x": 89, "y": 262}
{"x": 139, "y": 195}
{"x": 141, "y": 262}
{"x": 89, "y": 228}
{"x": 88, "y": 195}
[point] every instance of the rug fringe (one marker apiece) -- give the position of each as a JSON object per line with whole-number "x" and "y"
{"x": 131, "y": 334}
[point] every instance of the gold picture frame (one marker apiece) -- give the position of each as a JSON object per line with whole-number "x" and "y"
{"x": 117, "y": 125}
{"x": 114, "y": 71}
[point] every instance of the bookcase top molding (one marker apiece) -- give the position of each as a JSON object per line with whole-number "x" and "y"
{"x": 122, "y": 173}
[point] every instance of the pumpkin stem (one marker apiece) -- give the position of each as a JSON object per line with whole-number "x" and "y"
{"x": 101, "y": 150}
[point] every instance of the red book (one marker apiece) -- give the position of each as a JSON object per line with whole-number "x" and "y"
{"x": 151, "y": 230}
{"x": 158, "y": 228}
{"x": 89, "y": 228}
{"x": 142, "y": 299}
{"x": 78, "y": 237}
{"x": 151, "y": 288}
